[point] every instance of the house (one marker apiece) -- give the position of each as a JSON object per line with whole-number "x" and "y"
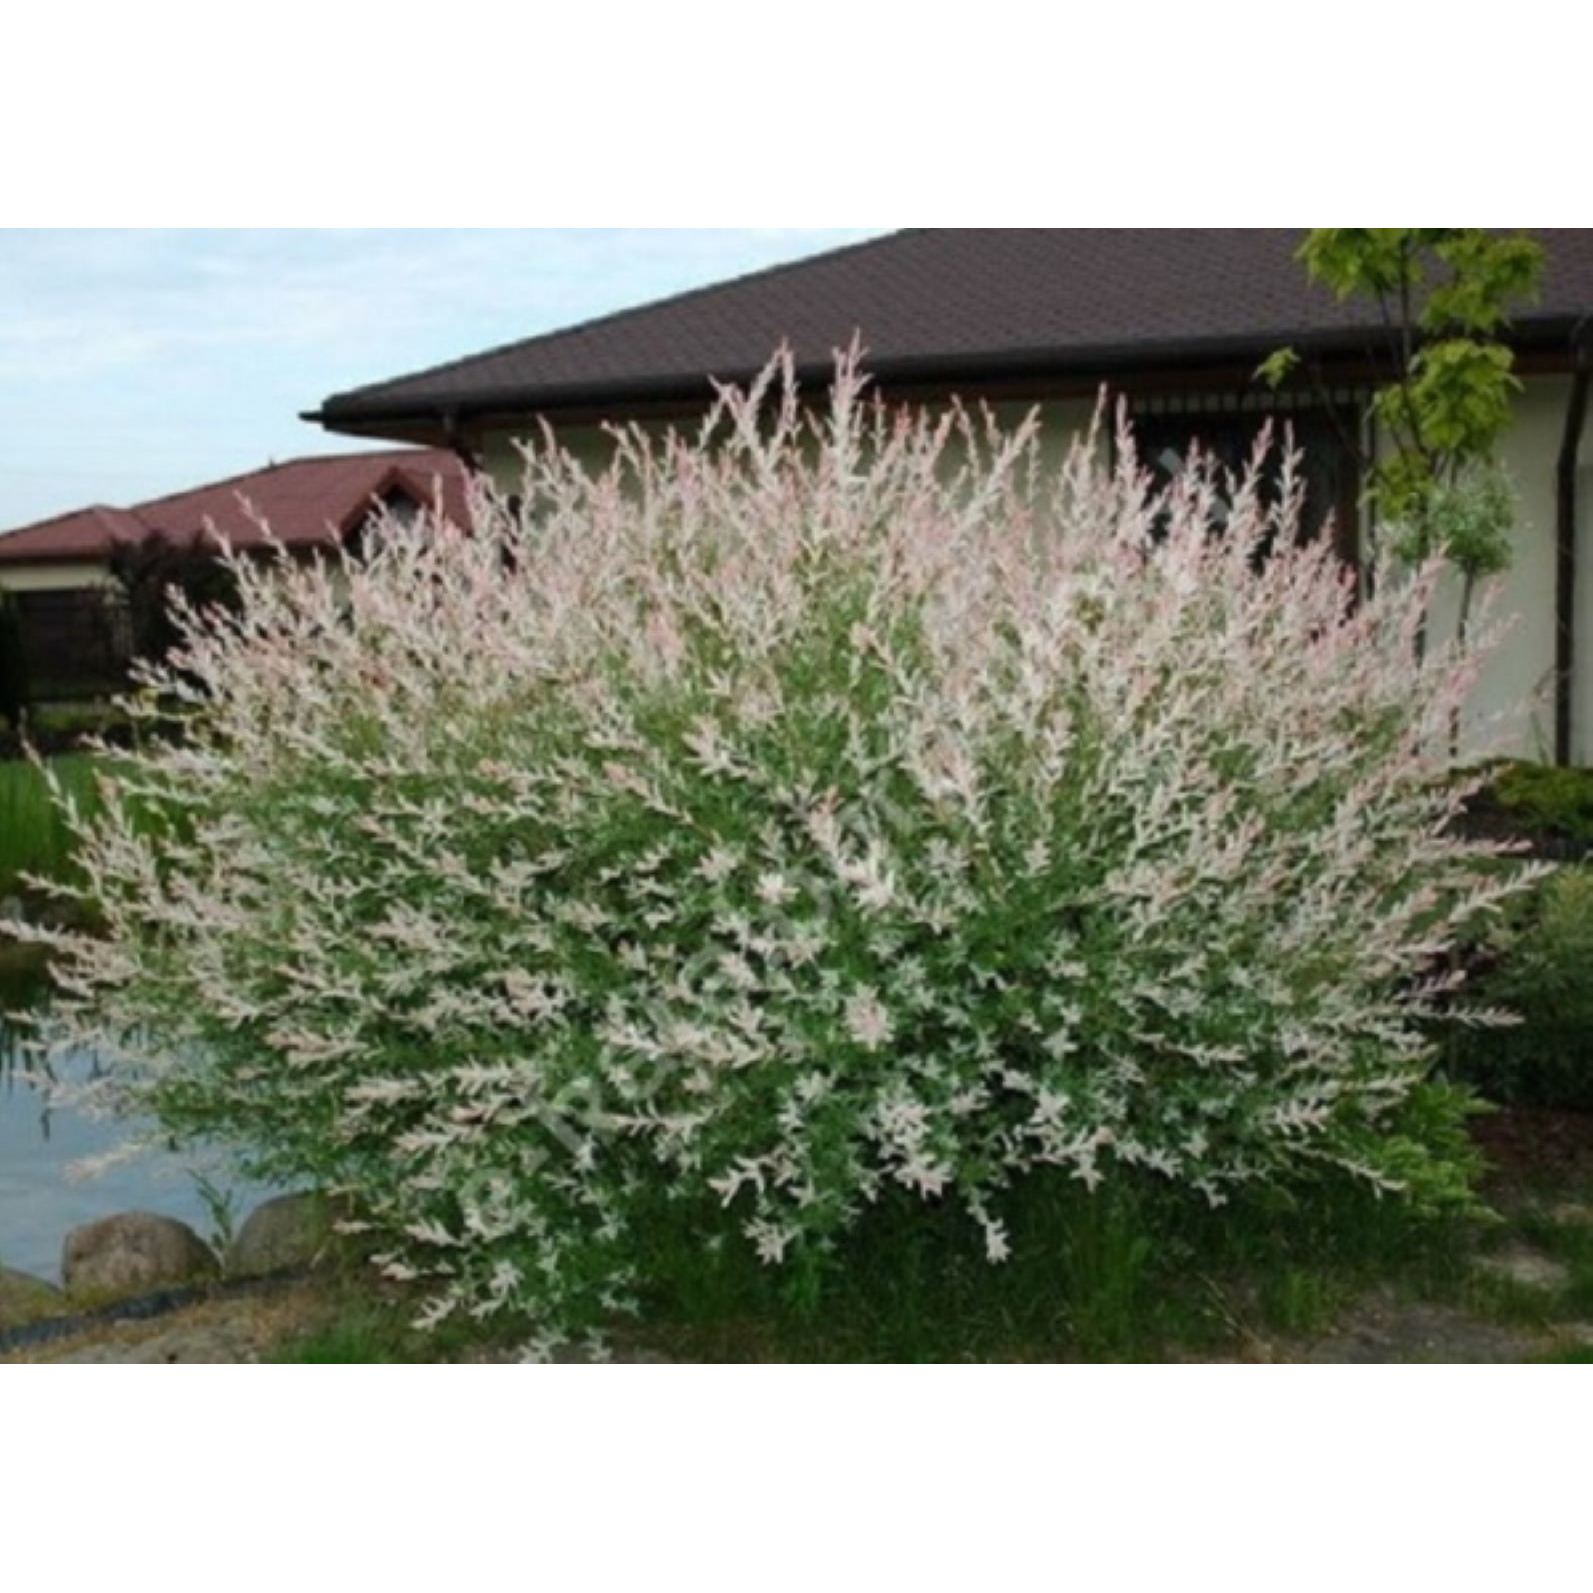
{"x": 59, "y": 573}
{"x": 1173, "y": 320}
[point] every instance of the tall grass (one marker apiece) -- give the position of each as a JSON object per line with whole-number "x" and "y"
{"x": 34, "y": 838}
{"x": 368, "y": 1337}
{"x": 1136, "y": 1271}
{"x": 1139, "y": 1270}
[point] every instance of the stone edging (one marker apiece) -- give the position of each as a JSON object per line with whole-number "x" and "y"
{"x": 143, "y": 1308}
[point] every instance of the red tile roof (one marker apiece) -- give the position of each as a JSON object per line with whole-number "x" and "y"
{"x": 940, "y": 304}
{"x": 305, "y": 502}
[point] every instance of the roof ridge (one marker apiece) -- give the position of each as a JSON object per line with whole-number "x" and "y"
{"x": 393, "y": 460}
{"x": 608, "y": 317}
{"x": 68, "y": 514}
{"x": 391, "y": 454}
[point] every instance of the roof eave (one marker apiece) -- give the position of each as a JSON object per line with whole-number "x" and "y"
{"x": 355, "y": 415}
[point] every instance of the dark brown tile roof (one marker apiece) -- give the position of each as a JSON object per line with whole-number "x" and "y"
{"x": 306, "y": 503}
{"x": 936, "y": 304}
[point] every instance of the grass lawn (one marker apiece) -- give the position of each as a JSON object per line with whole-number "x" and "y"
{"x": 360, "y": 1337}
{"x": 34, "y": 838}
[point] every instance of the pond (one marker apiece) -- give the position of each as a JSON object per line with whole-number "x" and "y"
{"x": 39, "y": 1142}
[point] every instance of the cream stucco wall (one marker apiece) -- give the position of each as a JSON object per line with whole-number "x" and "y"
{"x": 51, "y": 577}
{"x": 501, "y": 458}
{"x": 1513, "y": 708}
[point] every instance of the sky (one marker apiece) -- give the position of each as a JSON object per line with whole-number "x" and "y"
{"x": 136, "y": 363}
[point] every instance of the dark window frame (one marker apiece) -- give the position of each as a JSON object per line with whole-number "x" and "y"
{"x": 1229, "y": 424}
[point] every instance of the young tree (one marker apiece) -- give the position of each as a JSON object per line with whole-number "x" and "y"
{"x": 1443, "y": 295}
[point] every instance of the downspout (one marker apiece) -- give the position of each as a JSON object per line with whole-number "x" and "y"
{"x": 1565, "y": 572}
{"x": 465, "y": 454}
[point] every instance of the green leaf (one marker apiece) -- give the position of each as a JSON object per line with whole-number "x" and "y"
{"x": 1277, "y": 367}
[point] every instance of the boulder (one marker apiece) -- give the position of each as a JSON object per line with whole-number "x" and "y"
{"x": 285, "y": 1234}
{"x": 133, "y": 1253}
{"x": 24, "y": 1299}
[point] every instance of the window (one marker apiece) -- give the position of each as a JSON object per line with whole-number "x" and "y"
{"x": 1328, "y": 466}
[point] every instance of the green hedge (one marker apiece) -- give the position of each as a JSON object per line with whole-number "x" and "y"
{"x": 1540, "y": 966}
{"x": 1549, "y": 807}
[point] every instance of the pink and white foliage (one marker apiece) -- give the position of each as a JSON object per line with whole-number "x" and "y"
{"x": 845, "y": 799}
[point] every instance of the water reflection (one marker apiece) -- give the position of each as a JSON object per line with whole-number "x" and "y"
{"x": 39, "y": 1203}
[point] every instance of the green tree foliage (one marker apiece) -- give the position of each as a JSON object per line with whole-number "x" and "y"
{"x": 1443, "y": 296}
{"x": 154, "y": 572}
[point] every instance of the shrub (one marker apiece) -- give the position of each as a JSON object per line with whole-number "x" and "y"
{"x": 160, "y": 573}
{"x": 1542, "y": 802}
{"x": 1540, "y": 968}
{"x": 845, "y": 804}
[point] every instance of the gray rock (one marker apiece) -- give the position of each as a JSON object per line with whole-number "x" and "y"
{"x": 289, "y": 1232}
{"x": 1529, "y": 1268}
{"x": 25, "y": 1299}
{"x": 132, "y": 1253}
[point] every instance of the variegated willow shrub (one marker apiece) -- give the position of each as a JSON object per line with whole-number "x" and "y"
{"x": 841, "y": 803}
